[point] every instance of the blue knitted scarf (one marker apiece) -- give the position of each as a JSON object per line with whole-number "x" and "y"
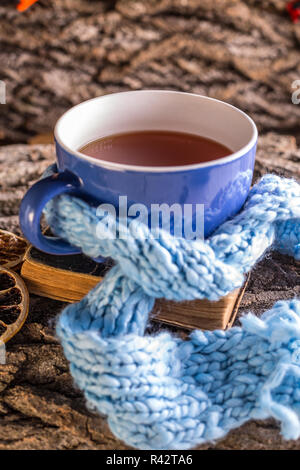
{"x": 160, "y": 391}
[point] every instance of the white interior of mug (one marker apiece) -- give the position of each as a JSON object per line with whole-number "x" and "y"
{"x": 156, "y": 110}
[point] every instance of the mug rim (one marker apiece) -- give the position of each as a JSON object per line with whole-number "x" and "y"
{"x": 159, "y": 169}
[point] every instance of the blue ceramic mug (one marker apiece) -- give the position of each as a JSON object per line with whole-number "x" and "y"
{"x": 221, "y": 185}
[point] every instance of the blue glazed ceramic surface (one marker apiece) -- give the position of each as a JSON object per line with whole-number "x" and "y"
{"x": 221, "y": 188}
{"x": 221, "y": 185}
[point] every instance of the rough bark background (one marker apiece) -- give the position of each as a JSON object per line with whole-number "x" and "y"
{"x": 61, "y": 52}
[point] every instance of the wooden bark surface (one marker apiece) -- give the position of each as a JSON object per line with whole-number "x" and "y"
{"x": 60, "y": 53}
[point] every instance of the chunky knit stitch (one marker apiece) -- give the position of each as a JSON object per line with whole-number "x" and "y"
{"x": 162, "y": 392}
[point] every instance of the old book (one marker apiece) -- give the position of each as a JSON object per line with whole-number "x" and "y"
{"x": 69, "y": 278}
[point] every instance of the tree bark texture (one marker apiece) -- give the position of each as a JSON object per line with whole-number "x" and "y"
{"x": 61, "y": 52}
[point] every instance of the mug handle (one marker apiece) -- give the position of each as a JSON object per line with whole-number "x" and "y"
{"x": 33, "y": 204}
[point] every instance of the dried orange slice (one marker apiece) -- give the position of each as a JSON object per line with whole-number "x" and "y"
{"x": 12, "y": 249}
{"x": 14, "y": 303}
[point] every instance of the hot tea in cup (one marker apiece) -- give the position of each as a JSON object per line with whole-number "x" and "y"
{"x": 153, "y": 147}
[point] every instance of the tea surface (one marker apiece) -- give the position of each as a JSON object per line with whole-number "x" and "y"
{"x": 155, "y": 148}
